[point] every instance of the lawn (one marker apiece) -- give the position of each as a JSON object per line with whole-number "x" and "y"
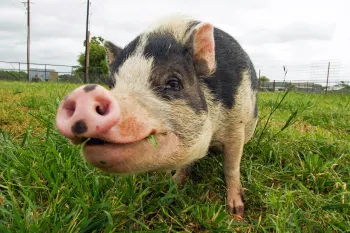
{"x": 295, "y": 172}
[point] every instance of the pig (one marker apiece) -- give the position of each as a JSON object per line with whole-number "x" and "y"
{"x": 184, "y": 82}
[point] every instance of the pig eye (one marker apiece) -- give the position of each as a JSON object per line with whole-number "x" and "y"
{"x": 173, "y": 84}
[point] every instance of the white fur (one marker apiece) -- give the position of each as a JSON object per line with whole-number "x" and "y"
{"x": 137, "y": 68}
{"x": 176, "y": 24}
{"x": 245, "y": 105}
{"x": 243, "y": 100}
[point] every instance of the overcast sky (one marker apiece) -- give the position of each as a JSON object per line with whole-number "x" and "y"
{"x": 297, "y": 33}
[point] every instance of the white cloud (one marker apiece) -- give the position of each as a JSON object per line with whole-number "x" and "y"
{"x": 273, "y": 32}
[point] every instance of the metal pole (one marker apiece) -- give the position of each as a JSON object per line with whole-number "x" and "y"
{"x": 259, "y": 81}
{"x": 327, "y": 76}
{"x": 87, "y": 59}
{"x": 45, "y": 73}
{"x": 28, "y": 38}
{"x": 87, "y": 44}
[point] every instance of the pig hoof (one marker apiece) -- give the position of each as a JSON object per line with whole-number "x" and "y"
{"x": 182, "y": 174}
{"x": 237, "y": 210}
{"x": 235, "y": 203}
{"x": 179, "y": 177}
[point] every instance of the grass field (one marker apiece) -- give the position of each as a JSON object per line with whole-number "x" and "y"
{"x": 295, "y": 171}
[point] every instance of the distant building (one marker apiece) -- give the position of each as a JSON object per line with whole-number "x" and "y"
{"x": 298, "y": 86}
{"x": 337, "y": 87}
{"x": 308, "y": 87}
{"x": 39, "y": 75}
{"x": 274, "y": 86}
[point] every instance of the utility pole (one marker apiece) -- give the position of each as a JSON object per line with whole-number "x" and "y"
{"x": 329, "y": 64}
{"x": 259, "y": 81}
{"x": 87, "y": 43}
{"x": 28, "y": 39}
{"x": 27, "y": 4}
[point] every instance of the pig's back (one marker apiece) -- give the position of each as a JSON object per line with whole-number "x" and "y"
{"x": 232, "y": 62}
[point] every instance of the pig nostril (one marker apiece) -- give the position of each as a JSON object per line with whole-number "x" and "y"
{"x": 99, "y": 110}
{"x": 69, "y": 106}
{"x": 102, "y": 110}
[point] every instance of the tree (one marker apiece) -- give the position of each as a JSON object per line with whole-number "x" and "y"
{"x": 345, "y": 85}
{"x": 264, "y": 79}
{"x": 64, "y": 77}
{"x": 97, "y": 57}
{"x": 70, "y": 78}
{"x": 13, "y": 75}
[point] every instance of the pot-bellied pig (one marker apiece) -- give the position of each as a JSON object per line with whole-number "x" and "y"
{"x": 187, "y": 85}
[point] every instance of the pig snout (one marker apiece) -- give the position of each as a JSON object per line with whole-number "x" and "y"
{"x": 117, "y": 128}
{"x": 87, "y": 112}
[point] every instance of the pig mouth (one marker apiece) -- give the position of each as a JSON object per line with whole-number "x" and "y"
{"x": 102, "y": 142}
{"x": 131, "y": 157}
{"x": 96, "y": 141}
{"x": 100, "y": 145}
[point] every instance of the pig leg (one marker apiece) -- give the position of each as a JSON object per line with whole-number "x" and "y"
{"x": 182, "y": 174}
{"x": 233, "y": 149}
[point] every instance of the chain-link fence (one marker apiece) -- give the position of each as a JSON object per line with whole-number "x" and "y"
{"x": 305, "y": 86}
{"x": 318, "y": 77}
{"x": 17, "y": 71}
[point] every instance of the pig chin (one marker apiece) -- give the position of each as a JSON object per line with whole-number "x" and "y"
{"x": 135, "y": 157}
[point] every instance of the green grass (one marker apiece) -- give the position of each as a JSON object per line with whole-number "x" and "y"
{"x": 295, "y": 172}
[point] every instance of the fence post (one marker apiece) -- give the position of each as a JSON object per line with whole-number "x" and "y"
{"x": 28, "y": 71}
{"x": 45, "y": 72}
{"x": 274, "y": 86}
{"x": 19, "y": 67}
{"x": 259, "y": 81}
{"x": 327, "y": 76}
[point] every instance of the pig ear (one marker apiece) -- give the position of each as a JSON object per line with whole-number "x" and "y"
{"x": 204, "y": 49}
{"x": 111, "y": 52}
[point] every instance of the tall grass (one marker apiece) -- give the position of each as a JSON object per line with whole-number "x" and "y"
{"x": 295, "y": 172}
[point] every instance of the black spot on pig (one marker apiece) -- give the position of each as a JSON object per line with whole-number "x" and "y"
{"x": 173, "y": 74}
{"x": 232, "y": 62}
{"x": 255, "y": 79}
{"x": 160, "y": 46}
{"x": 79, "y": 127}
{"x": 90, "y": 87}
{"x": 202, "y": 66}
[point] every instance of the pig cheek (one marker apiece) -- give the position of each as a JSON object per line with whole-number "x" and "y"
{"x": 129, "y": 127}
{"x": 133, "y": 128}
